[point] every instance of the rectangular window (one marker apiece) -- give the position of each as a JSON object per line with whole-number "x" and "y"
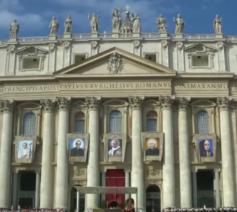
{"x": 151, "y": 57}
{"x": 200, "y": 61}
{"x": 80, "y": 126}
{"x": 31, "y": 63}
{"x": 79, "y": 58}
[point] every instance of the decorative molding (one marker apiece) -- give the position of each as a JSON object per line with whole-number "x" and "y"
{"x": 92, "y": 102}
{"x": 135, "y": 102}
{"x": 47, "y": 104}
{"x": 11, "y": 48}
{"x": 6, "y": 106}
{"x": 66, "y": 44}
{"x": 52, "y": 47}
{"x": 180, "y": 45}
{"x": 94, "y": 44}
{"x": 223, "y": 103}
{"x": 166, "y": 101}
{"x": 164, "y": 43}
{"x": 183, "y": 103}
{"x": 136, "y": 44}
{"x": 115, "y": 63}
{"x": 220, "y": 45}
{"x": 63, "y": 103}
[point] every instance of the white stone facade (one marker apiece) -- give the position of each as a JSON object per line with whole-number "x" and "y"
{"x": 175, "y": 76}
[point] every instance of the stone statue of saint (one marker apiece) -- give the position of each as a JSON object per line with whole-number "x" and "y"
{"x": 53, "y": 26}
{"x": 217, "y": 25}
{"x": 68, "y": 25}
{"x": 93, "y": 23}
{"x": 14, "y": 29}
{"x": 116, "y": 21}
{"x": 161, "y": 23}
{"x": 179, "y": 24}
{"x": 136, "y": 27}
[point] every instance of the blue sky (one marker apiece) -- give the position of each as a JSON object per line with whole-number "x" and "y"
{"x": 34, "y": 15}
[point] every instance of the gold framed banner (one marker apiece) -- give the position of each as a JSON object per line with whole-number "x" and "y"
{"x": 152, "y": 146}
{"x": 114, "y": 147}
{"x": 25, "y": 149}
{"x": 206, "y": 147}
{"x": 78, "y": 147}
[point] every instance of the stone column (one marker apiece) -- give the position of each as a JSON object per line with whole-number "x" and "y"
{"x": 61, "y": 191}
{"x": 93, "y": 171}
{"x": 15, "y": 190}
{"x": 194, "y": 175}
{"x": 227, "y": 155}
{"x": 5, "y": 154}
{"x": 168, "y": 158}
{"x": 46, "y": 186}
{"x": 184, "y": 158}
{"x": 217, "y": 188}
{"x": 137, "y": 172}
{"x": 37, "y": 189}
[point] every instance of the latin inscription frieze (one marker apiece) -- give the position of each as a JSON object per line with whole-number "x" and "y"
{"x": 72, "y": 86}
{"x": 201, "y": 85}
{"x": 116, "y": 85}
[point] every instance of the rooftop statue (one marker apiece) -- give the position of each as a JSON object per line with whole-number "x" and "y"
{"x": 179, "y": 24}
{"x": 127, "y": 25}
{"x": 94, "y": 23}
{"x": 161, "y": 23}
{"x": 136, "y": 24}
{"x": 14, "y": 29}
{"x": 217, "y": 25}
{"x": 53, "y": 26}
{"x": 116, "y": 21}
{"x": 68, "y": 25}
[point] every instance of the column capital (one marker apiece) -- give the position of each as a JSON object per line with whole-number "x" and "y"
{"x": 63, "y": 103}
{"x": 6, "y": 105}
{"x": 223, "y": 103}
{"x": 47, "y": 104}
{"x": 183, "y": 103}
{"x": 92, "y": 102}
{"x": 135, "y": 101}
{"x": 166, "y": 102}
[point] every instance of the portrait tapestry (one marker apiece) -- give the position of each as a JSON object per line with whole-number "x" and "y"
{"x": 24, "y": 149}
{"x": 114, "y": 147}
{"x": 152, "y": 146}
{"x": 206, "y": 147}
{"x": 77, "y": 147}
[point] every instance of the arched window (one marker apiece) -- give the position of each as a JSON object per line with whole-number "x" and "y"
{"x": 29, "y": 124}
{"x": 115, "y": 122}
{"x": 151, "y": 121}
{"x": 202, "y": 122}
{"x": 153, "y": 198}
{"x": 79, "y": 123}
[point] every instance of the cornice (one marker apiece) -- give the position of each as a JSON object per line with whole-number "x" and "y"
{"x": 216, "y": 75}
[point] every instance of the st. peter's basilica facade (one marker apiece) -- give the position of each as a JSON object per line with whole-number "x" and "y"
{"x": 149, "y": 115}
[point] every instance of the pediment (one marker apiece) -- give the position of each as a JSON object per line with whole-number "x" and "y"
{"x": 199, "y": 48}
{"x": 31, "y": 50}
{"x": 116, "y": 62}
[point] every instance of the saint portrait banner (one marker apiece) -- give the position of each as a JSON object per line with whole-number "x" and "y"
{"x": 152, "y": 146}
{"x": 77, "y": 147}
{"x": 205, "y": 147}
{"x": 24, "y": 149}
{"x": 114, "y": 148}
